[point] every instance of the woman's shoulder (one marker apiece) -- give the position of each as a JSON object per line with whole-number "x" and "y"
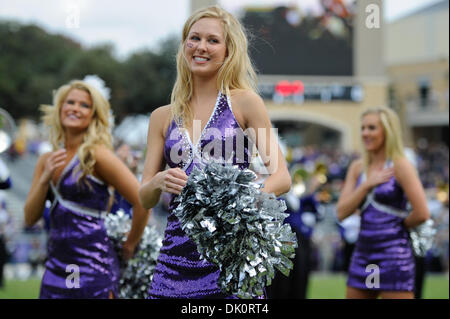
{"x": 403, "y": 167}
{"x": 246, "y": 96}
{"x": 162, "y": 111}
{"x": 43, "y": 158}
{"x": 160, "y": 117}
{"x": 402, "y": 163}
{"x": 246, "y": 103}
{"x": 102, "y": 153}
{"x": 356, "y": 167}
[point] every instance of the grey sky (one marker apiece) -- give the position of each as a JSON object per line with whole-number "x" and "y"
{"x": 134, "y": 24}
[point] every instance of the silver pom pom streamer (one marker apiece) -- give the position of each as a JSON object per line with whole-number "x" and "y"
{"x": 136, "y": 274}
{"x": 237, "y": 227}
{"x": 422, "y": 237}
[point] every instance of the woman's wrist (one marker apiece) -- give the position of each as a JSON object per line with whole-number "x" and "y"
{"x": 156, "y": 182}
{"x": 153, "y": 186}
{"x": 131, "y": 243}
{"x": 406, "y": 223}
{"x": 366, "y": 187}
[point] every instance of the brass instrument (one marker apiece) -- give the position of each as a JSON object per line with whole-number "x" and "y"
{"x": 304, "y": 181}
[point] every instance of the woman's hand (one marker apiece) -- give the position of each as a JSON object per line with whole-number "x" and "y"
{"x": 172, "y": 180}
{"x": 54, "y": 161}
{"x": 379, "y": 177}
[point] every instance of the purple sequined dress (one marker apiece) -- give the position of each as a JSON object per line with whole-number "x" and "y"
{"x": 383, "y": 245}
{"x": 81, "y": 260}
{"x": 180, "y": 273}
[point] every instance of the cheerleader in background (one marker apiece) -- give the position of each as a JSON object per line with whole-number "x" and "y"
{"x": 81, "y": 260}
{"x": 380, "y": 186}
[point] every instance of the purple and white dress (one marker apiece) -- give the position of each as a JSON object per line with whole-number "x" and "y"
{"x": 81, "y": 261}
{"x": 383, "y": 247}
{"x": 180, "y": 272}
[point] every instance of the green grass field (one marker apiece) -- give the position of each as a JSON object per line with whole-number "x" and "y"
{"x": 330, "y": 286}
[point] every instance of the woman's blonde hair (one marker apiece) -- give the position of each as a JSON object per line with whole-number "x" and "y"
{"x": 236, "y": 72}
{"x": 96, "y": 134}
{"x": 393, "y": 141}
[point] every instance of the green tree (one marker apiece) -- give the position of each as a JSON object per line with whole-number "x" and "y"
{"x": 149, "y": 78}
{"x": 99, "y": 60}
{"x": 31, "y": 61}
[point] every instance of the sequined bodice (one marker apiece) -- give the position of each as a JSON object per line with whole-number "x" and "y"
{"x": 390, "y": 193}
{"x": 78, "y": 191}
{"x": 222, "y": 139}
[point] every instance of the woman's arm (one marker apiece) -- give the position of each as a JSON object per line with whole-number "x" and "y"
{"x": 350, "y": 199}
{"x": 115, "y": 173}
{"x": 406, "y": 175}
{"x": 257, "y": 121}
{"x": 45, "y": 168}
{"x": 154, "y": 179}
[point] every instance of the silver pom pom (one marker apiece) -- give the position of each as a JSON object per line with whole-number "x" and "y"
{"x": 237, "y": 227}
{"x": 422, "y": 237}
{"x": 136, "y": 274}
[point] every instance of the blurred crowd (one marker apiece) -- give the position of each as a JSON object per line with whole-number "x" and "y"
{"x": 317, "y": 172}
{"x": 432, "y": 164}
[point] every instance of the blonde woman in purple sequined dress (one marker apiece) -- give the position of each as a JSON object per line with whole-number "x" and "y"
{"x": 213, "y": 103}
{"x": 82, "y": 262}
{"x": 380, "y": 185}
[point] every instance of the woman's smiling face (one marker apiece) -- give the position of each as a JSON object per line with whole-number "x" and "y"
{"x": 372, "y": 132}
{"x": 77, "y": 110}
{"x": 205, "y": 48}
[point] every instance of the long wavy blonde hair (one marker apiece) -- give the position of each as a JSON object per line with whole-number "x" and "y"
{"x": 96, "y": 134}
{"x": 393, "y": 142}
{"x": 237, "y": 71}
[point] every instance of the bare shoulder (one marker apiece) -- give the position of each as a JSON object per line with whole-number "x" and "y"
{"x": 247, "y": 98}
{"x": 356, "y": 167}
{"x": 247, "y": 105}
{"x": 160, "y": 118}
{"x": 402, "y": 162}
{"x": 40, "y": 163}
{"x": 106, "y": 163}
{"x": 44, "y": 156}
{"x": 403, "y": 167}
{"x": 103, "y": 154}
{"x": 162, "y": 111}
{"x": 42, "y": 159}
